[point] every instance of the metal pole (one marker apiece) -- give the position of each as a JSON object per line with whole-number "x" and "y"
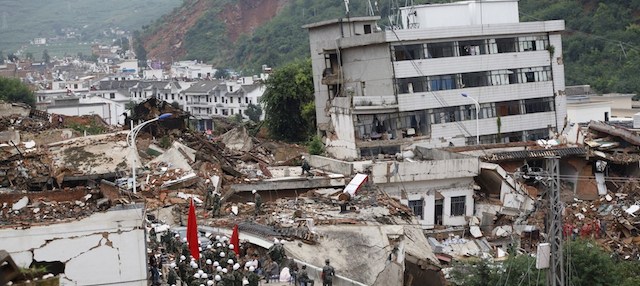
{"x": 477, "y": 104}
{"x": 133, "y": 160}
{"x": 556, "y": 269}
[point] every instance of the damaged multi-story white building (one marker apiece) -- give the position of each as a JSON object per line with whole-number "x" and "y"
{"x": 377, "y": 92}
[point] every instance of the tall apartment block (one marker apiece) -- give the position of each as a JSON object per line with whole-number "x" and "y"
{"x": 378, "y": 91}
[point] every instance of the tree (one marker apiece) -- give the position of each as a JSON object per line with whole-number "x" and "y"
{"x": 288, "y": 89}
{"x": 13, "y": 90}
{"x": 176, "y": 105}
{"x": 29, "y": 56}
{"x": 221, "y": 74}
{"x": 13, "y": 58}
{"x": 315, "y": 147}
{"x": 45, "y": 56}
{"x": 254, "y": 112}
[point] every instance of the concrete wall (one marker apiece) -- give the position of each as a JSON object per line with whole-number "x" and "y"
{"x": 557, "y": 69}
{"x": 368, "y": 71}
{"x": 402, "y": 172}
{"x": 340, "y": 140}
{"x": 584, "y": 113}
{"x": 106, "y": 248}
{"x": 331, "y": 165}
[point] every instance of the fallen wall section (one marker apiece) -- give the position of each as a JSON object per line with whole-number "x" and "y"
{"x": 104, "y": 248}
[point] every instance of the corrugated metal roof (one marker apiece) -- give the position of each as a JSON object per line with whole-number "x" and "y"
{"x": 538, "y": 153}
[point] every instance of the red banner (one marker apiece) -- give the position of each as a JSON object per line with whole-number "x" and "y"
{"x": 235, "y": 240}
{"x": 192, "y": 232}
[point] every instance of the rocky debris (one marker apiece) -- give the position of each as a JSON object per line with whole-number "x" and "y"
{"x": 33, "y": 208}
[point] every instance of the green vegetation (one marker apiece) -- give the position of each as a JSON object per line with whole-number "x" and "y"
{"x": 602, "y": 42}
{"x": 22, "y": 21}
{"x": 254, "y": 112}
{"x": 12, "y": 90}
{"x": 91, "y": 129}
{"x": 315, "y": 146}
{"x": 589, "y": 264}
{"x": 289, "y": 89}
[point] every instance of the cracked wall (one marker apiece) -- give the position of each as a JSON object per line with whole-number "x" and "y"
{"x": 104, "y": 248}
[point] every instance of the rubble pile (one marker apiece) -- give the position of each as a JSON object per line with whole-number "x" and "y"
{"x": 23, "y": 123}
{"x": 27, "y": 209}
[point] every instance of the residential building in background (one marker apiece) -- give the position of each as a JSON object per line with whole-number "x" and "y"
{"x": 378, "y": 92}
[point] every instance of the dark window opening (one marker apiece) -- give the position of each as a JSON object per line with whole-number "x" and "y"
{"x": 507, "y": 108}
{"x": 458, "y": 206}
{"x": 441, "y": 50}
{"x": 417, "y": 207}
{"x": 506, "y": 45}
{"x": 442, "y": 82}
{"x": 538, "y": 105}
{"x": 408, "y": 52}
{"x": 530, "y": 76}
{"x": 475, "y": 79}
{"x": 411, "y": 85}
{"x": 367, "y": 29}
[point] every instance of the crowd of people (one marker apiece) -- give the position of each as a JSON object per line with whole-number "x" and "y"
{"x": 220, "y": 264}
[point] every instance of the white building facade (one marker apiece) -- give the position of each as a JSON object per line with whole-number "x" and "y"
{"x": 379, "y": 92}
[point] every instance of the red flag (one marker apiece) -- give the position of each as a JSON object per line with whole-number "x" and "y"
{"x": 192, "y": 232}
{"x": 235, "y": 240}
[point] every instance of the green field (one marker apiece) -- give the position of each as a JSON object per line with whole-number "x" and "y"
{"x": 58, "y": 49}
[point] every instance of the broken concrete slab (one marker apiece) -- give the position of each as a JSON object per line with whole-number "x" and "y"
{"x": 20, "y": 204}
{"x": 176, "y": 158}
{"x": 238, "y": 139}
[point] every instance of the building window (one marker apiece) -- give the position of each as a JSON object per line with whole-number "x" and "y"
{"x": 536, "y": 105}
{"x": 417, "y": 207}
{"x": 411, "y": 85}
{"x": 506, "y": 108}
{"x": 408, "y": 52}
{"x": 231, "y": 101}
{"x": 441, "y": 50}
{"x": 458, "y": 206}
{"x": 112, "y": 95}
{"x": 442, "y": 82}
{"x": 367, "y": 29}
{"x": 472, "y": 48}
{"x": 506, "y": 45}
{"x": 475, "y": 79}
{"x": 246, "y": 100}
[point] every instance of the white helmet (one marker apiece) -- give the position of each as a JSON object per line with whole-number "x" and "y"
{"x": 251, "y": 268}
{"x": 182, "y": 257}
{"x": 218, "y": 244}
{"x": 194, "y": 265}
{"x": 231, "y": 246}
{"x": 221, "y": 254}
{"x": 218, "y": 278}
{"x": 254, "y": 191}
{"x": 172, "y": 265}
{"x": 210, "y": 283}
{"x": 216, "y": 264}
{"x": 184, "y": 239}
{"x": 209, "y": 246}
{"x": 302, "y": 157}
{"x": 209, "y": 261}
{"x": 224, "y": 270}
{"x": 236, "y": 266}
{"x": 200, "y": 271}
{"x": 230, "y": 261}
{"x": 219, "y": 268}
{"x": 217, "y": 237}
{"x": 204, "y": 275}
{"x": 275, "y": 240}
{"x": 197, "y": 275}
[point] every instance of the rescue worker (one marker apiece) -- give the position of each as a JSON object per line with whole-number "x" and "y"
{"x": 257, "y": 199}
{"x": 303, "y": 277}
{"x": 305, "y": 166}
{"x": 216, "y": 205}
{"x": 327, "y": 274}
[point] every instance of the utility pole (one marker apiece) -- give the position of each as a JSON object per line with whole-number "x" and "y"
{"x": 555, "y": 276}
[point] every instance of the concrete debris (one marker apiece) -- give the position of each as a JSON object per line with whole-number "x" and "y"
{"x": 237, "y": 139}
{"x": 20, "y": 204}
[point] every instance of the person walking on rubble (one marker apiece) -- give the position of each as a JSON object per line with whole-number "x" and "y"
{"x": 327, "y": 274}
{"x": 216, "y": 205}
{"x": 257, "y": 199}
{"x": 305, "y": 166}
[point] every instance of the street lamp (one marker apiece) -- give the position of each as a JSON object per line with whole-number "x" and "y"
{"x": 131, "y": 140}
{"x": 477, "y": 117}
